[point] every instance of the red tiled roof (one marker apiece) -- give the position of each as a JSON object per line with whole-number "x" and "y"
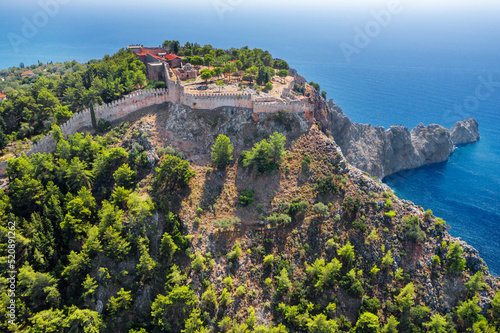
{"x": 2, "y": 95}
{"x": 141, "y": 54}
{"x": 27, "y": 73}
{"x": 172, "y": 56}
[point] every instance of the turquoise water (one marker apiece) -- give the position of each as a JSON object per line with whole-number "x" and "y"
{"x": 416, "y": 69}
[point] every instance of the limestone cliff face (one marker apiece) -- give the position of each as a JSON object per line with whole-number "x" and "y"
{"x": 464, "y": 132}
{"x": 382, "y": 152}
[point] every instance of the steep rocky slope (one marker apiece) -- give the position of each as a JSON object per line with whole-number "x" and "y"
{"x": 382, "y": 152}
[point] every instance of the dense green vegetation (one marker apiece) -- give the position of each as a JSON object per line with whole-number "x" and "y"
{"x": 106, "y": 241}
{"x": 55, "y": 91}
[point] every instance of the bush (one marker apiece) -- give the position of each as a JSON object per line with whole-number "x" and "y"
{"x": 283, "y": 282}
{"x": 297, "y": 207}
{"x": 367, "y": 323}
{"x": 198, "y": 264}
{"x": 103, "y": 125}
{"x": 321, "y": 209}
{"x": 268, "y": 86}
{"x": 413, "y": 233}
{"x": 390, "y": 214}
{"x": 235, "y": 254}
{"x": 246, "y": 197}
{"x": 268, "y": 260}
{"x": 226, "y": 223}
{"x": 326, "y": 185}
{"x": 277, "y": 219}
{"x": 388, "y": 260}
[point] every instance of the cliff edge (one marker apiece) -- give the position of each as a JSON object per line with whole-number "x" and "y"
{"x": 382, "y": 152}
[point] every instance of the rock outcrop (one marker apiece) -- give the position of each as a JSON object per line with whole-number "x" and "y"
{"x": 382, "y": 152}
{"x": 465, "y": 132}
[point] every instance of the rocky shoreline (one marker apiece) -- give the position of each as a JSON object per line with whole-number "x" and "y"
{"x": 382, "y": 152}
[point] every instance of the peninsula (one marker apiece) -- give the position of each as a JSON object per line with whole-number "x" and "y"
{"x": 185, "y": 188}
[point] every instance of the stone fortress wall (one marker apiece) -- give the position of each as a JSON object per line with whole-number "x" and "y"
{"x": 173, "y": 93}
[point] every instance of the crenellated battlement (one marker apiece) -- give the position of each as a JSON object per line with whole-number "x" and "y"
{"x": 110, "y": 111}
{"x": 174, "y": 93}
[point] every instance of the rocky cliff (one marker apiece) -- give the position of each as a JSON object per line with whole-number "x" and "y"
{"x": 382, "y": 152}
{"x": 464, "y": 132}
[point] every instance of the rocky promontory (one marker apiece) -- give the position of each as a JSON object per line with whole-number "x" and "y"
{"x": 382, "y": 152}
{"x": 465, "y": 132}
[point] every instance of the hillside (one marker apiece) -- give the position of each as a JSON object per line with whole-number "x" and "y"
{"x": 116, "y": 233}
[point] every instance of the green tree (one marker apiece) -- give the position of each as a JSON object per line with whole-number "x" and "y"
{"x": 206, "y": 75}
{"x": 347, "y": 252}
{"x": 119, "y": 303}
{"x": 284, "y": 284}
{"x": 168, "y": 246}
{"x": 321, "y": 324}
{"x": 277, "y": 147}
{"x": 476, "y": 283}
{"x": 170, "y": 311}
{"x": 173, "y": 173}
{"x": 456, "y": 263}
{"x": 85, "y": 320}
{"x": 47, "y": 321}
{"x": 78, "y": 175}
{"x": 222, "y": 151}
{"x": 367, "y": 323}
{"x": 124, "y": 176}
{"x": 321, "y": 209}
{"x": 268, "y": 86}
{"x": 391, "y": 326}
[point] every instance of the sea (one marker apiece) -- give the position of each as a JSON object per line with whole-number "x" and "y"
{"x": 384, "y": 63}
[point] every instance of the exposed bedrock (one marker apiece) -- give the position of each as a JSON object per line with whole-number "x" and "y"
{"x": 382, "y": 152}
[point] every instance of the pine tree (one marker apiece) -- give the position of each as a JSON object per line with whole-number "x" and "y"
{"x": 222, "y": 151}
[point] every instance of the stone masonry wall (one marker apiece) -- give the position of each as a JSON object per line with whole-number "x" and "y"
{"x": 111, "y": 111}
{"x": 174, "y": 93}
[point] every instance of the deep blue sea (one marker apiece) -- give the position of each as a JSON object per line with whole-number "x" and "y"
{"x": 421, "y": 65}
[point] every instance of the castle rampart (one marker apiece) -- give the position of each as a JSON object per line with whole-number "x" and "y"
{"x": 174, "y": 93}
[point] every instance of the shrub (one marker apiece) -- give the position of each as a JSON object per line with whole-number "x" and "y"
{"x": 326, "y": 185}
{"x": 225, "y": 298}
{"x": 199, "y": 211}
{"x": 277, "y": 219}
{"x": 198, "y": 264}
{"x": 228, "y": 282}
{"x": 321, "y": 209}
{"x": 297, "y": 207}
{"x": 283, "y": 282}
{"x": 268, "y": 260}
{"x": 436, "y": 260}
{"x": 390, "y": 214}
{"x": 246, "y": 197}
{"x": 360, "y": 225}
{"x": 235, "y": 254}
{"x": 475, "y": 283}
{"x": 387, "y": 260}
{"x": 226, "y": 223}
{"x": 241, "y": 290}
{"x": 413, "y": 233}
{"x": 350, "y": 204}
{"x": 347, "y": 252}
